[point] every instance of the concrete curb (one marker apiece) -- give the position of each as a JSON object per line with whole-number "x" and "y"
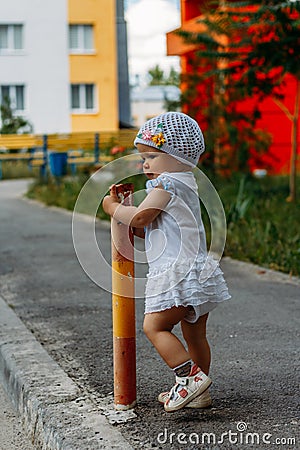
{"x": 56, "y": 414}
{"x": 264, "y": 273}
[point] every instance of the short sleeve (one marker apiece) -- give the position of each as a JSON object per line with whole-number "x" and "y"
{"x": 161, "y": 180}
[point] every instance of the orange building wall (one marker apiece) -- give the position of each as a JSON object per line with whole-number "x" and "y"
{"x": 100, "y": 67}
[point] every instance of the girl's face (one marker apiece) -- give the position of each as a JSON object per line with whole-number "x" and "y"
{"x": 156, "y": 162}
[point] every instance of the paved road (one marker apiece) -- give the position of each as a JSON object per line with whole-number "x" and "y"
{"x": 254, "y": 337}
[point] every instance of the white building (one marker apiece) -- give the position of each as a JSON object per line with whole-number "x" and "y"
{"x": 29, "y": 70}
{"x": 150, "y": 101}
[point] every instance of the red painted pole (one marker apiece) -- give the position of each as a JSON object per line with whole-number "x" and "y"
{"x": 123, "y": 305}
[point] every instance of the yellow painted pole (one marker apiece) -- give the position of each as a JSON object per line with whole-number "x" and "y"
{"x": 123, "y": 305}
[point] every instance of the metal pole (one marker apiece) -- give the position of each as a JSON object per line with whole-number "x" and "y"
{"x": 96, "y": 148}
{"x": 123, "y": 305}
{"x": 43, "y": 169}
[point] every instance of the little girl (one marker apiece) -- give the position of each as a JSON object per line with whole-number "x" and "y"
{"x": 177, "y": 288}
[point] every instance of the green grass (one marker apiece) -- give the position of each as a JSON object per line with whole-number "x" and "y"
{"x": 262, "y": 227}
{"x": 17, "y": 169}
{"x": 62, "y": 193}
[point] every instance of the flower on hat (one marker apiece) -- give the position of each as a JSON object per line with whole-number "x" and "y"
{"x": 146, "y": 135}
{"x": 157, "y": 137}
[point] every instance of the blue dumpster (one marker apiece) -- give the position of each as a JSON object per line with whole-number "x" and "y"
{"x": 58, "y": 163}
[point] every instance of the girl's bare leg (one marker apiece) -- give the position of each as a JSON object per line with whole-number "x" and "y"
{"x": 198, "y": 346}
{"x": 158, "y": 329}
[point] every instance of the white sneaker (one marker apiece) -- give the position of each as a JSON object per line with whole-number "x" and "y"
{"x": 186, "y": 389}
{"x": 201, "y": 401}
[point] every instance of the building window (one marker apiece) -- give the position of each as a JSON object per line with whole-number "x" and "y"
{"x": 15, "y": 95}
{"x": 11, "y": 38}
{"x": 81, "y": 38}
{"x": 83, "y": 98}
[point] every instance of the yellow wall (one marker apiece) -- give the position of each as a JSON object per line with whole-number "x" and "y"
{"x": 99, "y": 68}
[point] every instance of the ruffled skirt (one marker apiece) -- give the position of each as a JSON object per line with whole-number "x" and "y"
{"x": 189, "y": 283}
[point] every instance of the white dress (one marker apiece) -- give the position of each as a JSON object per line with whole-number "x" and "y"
{"x": 180, "y": 271}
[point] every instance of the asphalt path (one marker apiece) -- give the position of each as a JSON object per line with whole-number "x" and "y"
{"x": 254, "y": 337}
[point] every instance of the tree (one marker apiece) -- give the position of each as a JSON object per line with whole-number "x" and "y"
{"x": 173, "y": 78}
{"x": 273, "y": 44}
{"x": 251, "y": 47}
{"x": 159, "y": 78}
{"x": 209, "y": 95}
{"x": 11, "y": 123}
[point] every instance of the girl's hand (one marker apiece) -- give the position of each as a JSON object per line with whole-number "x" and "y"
{"x": 110, "y": 200}
{"x": 113, "y": 193}
{"x": 136, "y": 217}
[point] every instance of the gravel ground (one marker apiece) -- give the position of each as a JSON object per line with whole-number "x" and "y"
{"x": 12, "y": 436}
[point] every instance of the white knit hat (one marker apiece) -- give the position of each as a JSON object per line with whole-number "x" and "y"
{"x": 174, "y": 133}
